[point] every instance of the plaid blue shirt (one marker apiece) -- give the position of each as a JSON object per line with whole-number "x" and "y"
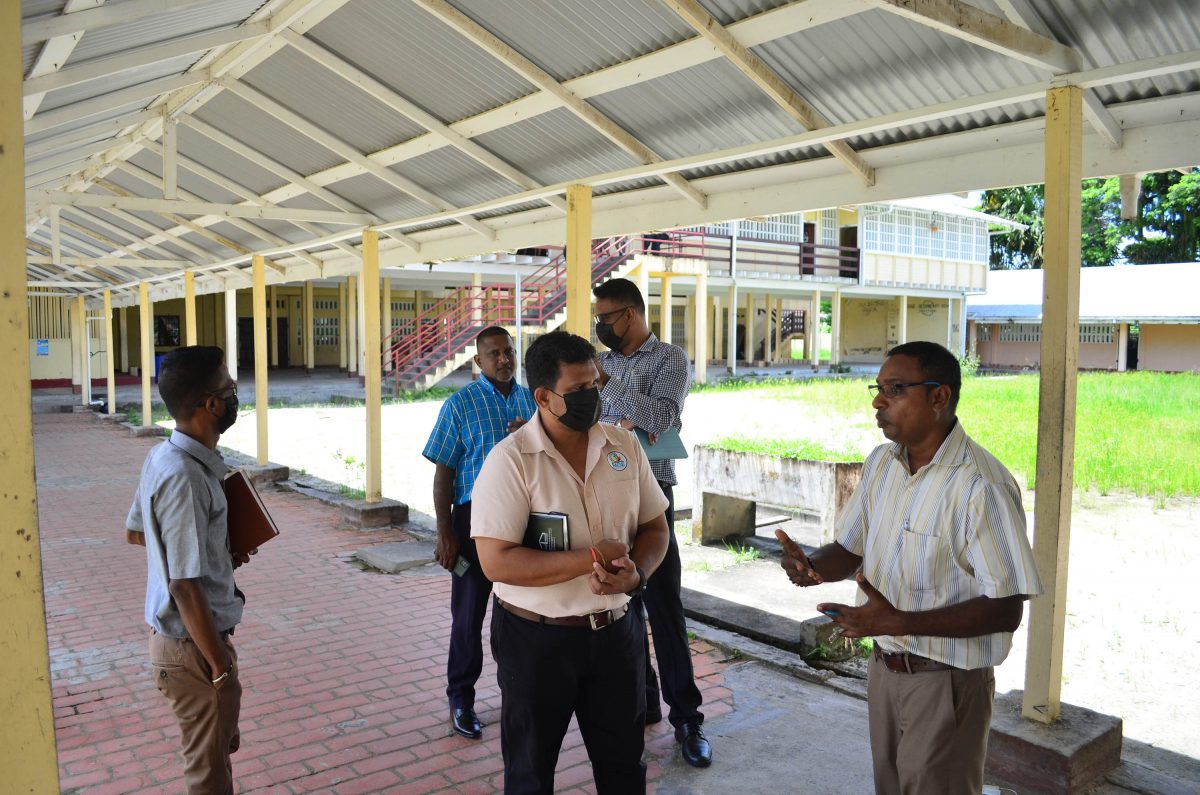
{"x": 472, "y": 421}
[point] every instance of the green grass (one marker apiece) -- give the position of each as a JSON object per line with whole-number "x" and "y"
{"x": 1135, "y": 432}
{"x": 784, "y": 448}
{"x": 133, "y": 413}
{"x": 742, "y": 554}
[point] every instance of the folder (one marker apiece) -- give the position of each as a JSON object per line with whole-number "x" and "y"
{"x": 668, "y": 445}
{"x": 547, "y": 532}
{"x": 250, "y": 526}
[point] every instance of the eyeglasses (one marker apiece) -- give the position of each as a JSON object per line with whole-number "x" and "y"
{"x": 222, "y": 389}
{"x": 601, "y": 318}
{"x": 896, "y": 390}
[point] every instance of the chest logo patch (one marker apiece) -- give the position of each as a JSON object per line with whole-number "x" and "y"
{"x": 617, "y": 461}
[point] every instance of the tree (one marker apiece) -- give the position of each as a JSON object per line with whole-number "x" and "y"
{"x": 1167, "y": 228}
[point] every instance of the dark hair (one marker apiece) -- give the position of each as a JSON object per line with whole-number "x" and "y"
{"x": 936, "y": 363}
{"x": 549, "y": 351}
{"x": 187, "y": 375}
{"x": 622, "y": 291}
{"x": 491, "y": 331}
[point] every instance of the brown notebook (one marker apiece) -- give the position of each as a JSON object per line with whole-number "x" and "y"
{"x": 250, "y": 526}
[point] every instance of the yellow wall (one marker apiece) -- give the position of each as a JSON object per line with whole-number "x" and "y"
{"x": 927, "y": 320}
{"x": 1173, "y": 348}
{"x": 864, "y": 329}
{"x": 906, "y": 270}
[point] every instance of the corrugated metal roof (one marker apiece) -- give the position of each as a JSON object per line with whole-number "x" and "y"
{"x": 208, "y": 152}
{"x": 134, "y": 77}
{"x": 729, "y": 11}
{"x": 161, "y": 27}
{"x": 556, "y": 147}
{"x": 266, "y": 134}
{"x": 587, "y": 35}
{"x": 1117, "y": 293}
{"x": 380, "y": 198}
{"x": 304, "y": 86}
{"x": 451, "y": 175}
{"x": 421, "y": 58}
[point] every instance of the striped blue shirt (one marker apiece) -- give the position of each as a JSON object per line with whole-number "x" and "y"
{"x": 472, "y": 421}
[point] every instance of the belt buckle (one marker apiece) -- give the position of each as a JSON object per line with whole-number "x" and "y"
{"x": 594, "y": 621}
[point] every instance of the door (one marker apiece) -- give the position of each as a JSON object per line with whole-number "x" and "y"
{"x": 281, "y": 341}
{"x": 245, "y": 341}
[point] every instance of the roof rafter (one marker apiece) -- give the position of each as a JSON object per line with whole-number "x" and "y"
{"x": 69, "y": 114}
{"x": 480, "y": 36}
{"x": 37, "y": 30}
{"x": 54, "y": 53}
{"x": 413, "y": 112}
{"x": 344, "y": 150}
{"x": 85, "y": 134}
{"x": 768, "y": 81}
{"x": 956, "y": 18}
{"x": 1019, "y": 12}
{"x": 181, "y": 207}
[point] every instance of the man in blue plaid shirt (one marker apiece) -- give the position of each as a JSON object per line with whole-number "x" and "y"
{"x": 472, "y": 421}
{"x": 643, "y": 385}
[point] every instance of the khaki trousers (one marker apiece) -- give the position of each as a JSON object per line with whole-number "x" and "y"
{"x": 207, "y": 716}
{"x": 929, "y": 730}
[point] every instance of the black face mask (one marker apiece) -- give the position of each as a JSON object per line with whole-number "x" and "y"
{"x": 230, "y": 415}
{"x": 583, "y": 409}
{"x": 606, "y": 335}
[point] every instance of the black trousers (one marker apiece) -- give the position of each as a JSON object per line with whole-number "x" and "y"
{"x": 665, "y": 609}
{"x": 468, "y": 605}
{"x": 546, "y": 674}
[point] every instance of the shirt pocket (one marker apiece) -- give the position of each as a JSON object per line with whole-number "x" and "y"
{"x": 925, "y": 558}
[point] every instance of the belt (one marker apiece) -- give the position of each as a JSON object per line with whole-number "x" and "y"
{"x": 905, "y": 663}
{"x": 594, "y": 620}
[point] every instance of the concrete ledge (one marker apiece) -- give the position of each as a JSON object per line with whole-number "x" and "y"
{"x": 363, "y": 515}
{"x": 115, "y": 418}
{"x": 266, "y": 475}
{"x": 1067, "y": 757}
{"x": 393, "y": 558}
{"x": 139, "y": 431}
{"x": 81, "y": 409}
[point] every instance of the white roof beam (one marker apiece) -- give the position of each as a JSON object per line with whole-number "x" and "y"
{"x": 41, "y": 29}
{"x": 50, "y": 163}
{"x": 137, "y": 244}
{"x": 1020, "y": 12}
{"x": 956, "y": 18}
{"x": 480, "y": 36}
{"x": 181, "y": 207}
{"x": 163, "y": 236}
{"x": 113, "y": 244}
{"x": 54, "y": 53}
{"x": 85, "y": 134}
{"x": 412, "y": 111}
{"x": 114, "y": 262}
{"x": 78, "y": 111}
{"x": 334, "y": 144}
{"x": 768, "y": 82}
{"x": 137, "y": 58}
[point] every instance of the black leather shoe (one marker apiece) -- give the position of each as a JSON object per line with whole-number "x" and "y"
{"x": 696, "y": 750}
{"x": 466, "y": 723}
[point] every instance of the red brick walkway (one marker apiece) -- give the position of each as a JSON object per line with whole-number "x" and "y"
{"x": 343, "y": 669}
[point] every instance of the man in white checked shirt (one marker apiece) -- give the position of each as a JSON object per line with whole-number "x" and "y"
{"x": 937, "y": 528}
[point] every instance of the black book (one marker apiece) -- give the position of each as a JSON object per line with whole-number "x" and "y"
{"x": 548, "y": 532}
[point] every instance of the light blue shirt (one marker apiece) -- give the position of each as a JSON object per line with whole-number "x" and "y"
{"x": 472, "y": 421}
{"x": 180, "y": 506}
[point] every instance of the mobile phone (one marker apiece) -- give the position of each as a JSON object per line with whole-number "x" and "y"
{"x": 831, "y": 613}
{"x": 460, "y": 566}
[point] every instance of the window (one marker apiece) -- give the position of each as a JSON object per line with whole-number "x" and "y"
{"x": 983, "y": 332}
{"x": 1100, "y": 333}
{"x": 1021, "y": 332}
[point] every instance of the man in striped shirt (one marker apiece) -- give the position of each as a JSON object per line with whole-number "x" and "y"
{"x": 938, "y": 530}
{"x": 472, "y": 421}
{"x": 643, "y": 385}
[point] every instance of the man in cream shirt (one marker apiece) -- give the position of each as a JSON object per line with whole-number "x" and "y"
{"x": 563, "y": 636}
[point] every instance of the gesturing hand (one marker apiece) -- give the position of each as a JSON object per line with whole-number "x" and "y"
{"x": 797, "y": 565}
{"x": 877, "y": 616}
{"x": 607, "y": 583}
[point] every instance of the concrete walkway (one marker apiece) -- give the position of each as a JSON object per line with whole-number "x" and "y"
{"x": 344, "y": 669}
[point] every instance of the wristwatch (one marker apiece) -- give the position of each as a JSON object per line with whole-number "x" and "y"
{"x": 641, "y": 586}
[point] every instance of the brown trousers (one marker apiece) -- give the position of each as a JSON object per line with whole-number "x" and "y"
{"x": 929, "y": 730}
{"x": 207, "y": 716}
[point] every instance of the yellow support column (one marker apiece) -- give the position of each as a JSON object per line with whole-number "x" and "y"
{"x": 273, "y": 327}
{"x": 27, "y": 730}
{"x": 780, "y": 354}
{"x": 835, "y": 329}
{"x": 310, "y": 354}
{"x": 1055, "y": 476}
{"x": 385, "y": 322}
{"x": 352, "y": 323}
{"x": 718, "y": 326}
{"x": 123, "y": 314}
{"x": 110, "y": 365}
{"x": 147, "y": 346}
{"x": 189, "y": 308}
{"x": 815, "y": 353}
{"x": 641, "y": 277}
{"x": 701, "y": 333}
{"x": 85, "y": 354}
{"x": 373, "y": 366}
{"x": 768, "y": 330}
{"x": 231, "y": 333}
{"x": 579, "y": 260}
{"x": 731, "y": 351}
{"x": 259, "y": 302}
{"x": 751, "y": 317}
{"x": 342, "y": 339}
{"x": 902, "y": 325}
{"x": 666, "y": 321}
{"x": 689, "y": 327}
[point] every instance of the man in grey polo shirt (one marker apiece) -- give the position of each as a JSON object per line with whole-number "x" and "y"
{"x": 192, "y": 604}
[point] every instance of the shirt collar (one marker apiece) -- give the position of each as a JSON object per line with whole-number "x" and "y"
{"x": 532, "y": 438}
{"x": 950, "y": 453}
{"x": 209, "y": 458}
